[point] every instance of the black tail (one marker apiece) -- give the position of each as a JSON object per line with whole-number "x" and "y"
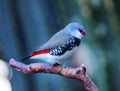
{"x": 25, "y": 58}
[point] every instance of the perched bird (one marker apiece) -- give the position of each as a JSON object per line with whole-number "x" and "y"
{"x": 61, "y": 45}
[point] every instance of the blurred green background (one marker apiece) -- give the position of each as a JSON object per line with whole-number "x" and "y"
{"x": 26, "y": 24}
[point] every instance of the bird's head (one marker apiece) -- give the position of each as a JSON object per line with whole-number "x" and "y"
{"x": 75, "y": 29}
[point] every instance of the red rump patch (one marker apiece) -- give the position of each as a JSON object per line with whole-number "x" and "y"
{"x": 40, "y": 52}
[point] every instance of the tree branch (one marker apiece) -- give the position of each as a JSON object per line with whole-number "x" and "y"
{"x": 78, "y": 73}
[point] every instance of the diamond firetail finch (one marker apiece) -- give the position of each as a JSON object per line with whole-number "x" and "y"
{"x": 61, "y": 45}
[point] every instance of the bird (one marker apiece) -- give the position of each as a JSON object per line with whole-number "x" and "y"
{"x": 61, "y": 46}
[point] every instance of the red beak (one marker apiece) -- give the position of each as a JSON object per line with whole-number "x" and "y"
{"x": 83, "y": 33}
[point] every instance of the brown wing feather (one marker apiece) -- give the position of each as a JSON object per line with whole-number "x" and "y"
{"x": 58, "y": 39}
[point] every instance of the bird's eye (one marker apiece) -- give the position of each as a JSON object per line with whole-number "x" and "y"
{"x": 80, "y": 30}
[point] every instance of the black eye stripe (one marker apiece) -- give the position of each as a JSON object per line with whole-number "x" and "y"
{"x": 80, "y": 30}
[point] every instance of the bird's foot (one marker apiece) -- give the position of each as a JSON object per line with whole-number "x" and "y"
{"x": 57, "y": 64}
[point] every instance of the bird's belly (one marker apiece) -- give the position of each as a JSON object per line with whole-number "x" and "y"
{"x": 67, "y": 54}
{"x": 60, "y": 58}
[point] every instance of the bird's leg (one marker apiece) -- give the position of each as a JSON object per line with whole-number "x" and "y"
{"x": 57, "y": 64}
